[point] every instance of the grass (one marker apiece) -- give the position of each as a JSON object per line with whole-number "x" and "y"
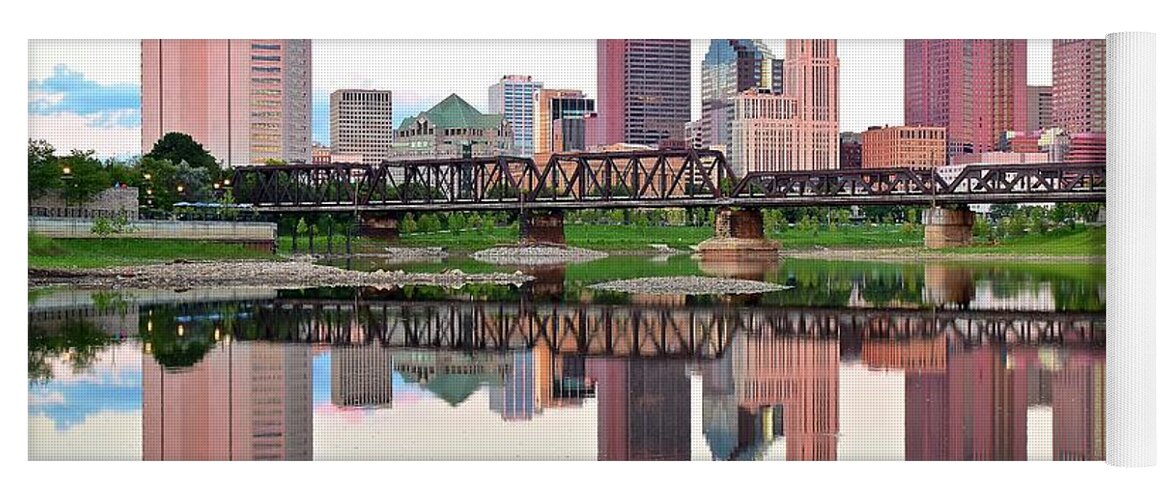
{"x": 46, "y": 253}
{"x": 639, "y": 238}
{"x": 1079, "y": 241}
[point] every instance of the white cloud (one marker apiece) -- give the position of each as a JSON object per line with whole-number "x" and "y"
{"x": 107, "y": 136}
{"x": 102, "y": 436}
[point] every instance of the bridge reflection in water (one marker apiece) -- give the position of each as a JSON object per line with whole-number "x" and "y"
{"x": 233, "y": 380}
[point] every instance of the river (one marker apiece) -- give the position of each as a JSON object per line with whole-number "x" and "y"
{"x": 853, "y": 360}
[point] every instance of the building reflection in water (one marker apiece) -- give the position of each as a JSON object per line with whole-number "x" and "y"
{"x": 242, "y": 401}
{"x": 768, "y": 388}
{"x": 644, "y": 408}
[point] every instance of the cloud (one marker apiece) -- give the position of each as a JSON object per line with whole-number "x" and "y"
{"x": 73, "y": 112}
{"x": 107, "y": 134}
{"x": 69, "y": 91}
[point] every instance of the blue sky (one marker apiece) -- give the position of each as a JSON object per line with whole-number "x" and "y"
{"x": 84, "y": 94}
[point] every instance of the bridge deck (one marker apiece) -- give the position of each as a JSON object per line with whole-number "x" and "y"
{"x": 645, "y": 179}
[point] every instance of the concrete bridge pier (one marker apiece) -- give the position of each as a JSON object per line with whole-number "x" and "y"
{"x": 739, "y": 236}
{"x": 379, "y": 226}
{"x": 948, "y": 227}
{"x": 542, "y": 228}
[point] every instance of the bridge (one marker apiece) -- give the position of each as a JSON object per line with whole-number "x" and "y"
{"x": 649, "y": 330}
{"x": 645, "y": 179}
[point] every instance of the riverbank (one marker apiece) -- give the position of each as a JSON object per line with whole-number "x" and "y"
{"x": 47, "y": 253}
{"x": 288, "y": 274}
{"x": 849, "y": 242}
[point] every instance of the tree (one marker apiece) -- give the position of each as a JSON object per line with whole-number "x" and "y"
{"x": 409, "y": 225}
{"x": 87, "y": 177}
{"x": 456, "y": 221}
{"x": 44, "y": 172}
{"x": 158, "y": 184}
{"x": 192, "y": 183}
{"x": 428, "y": 223}
{"x": 178, "y": 147}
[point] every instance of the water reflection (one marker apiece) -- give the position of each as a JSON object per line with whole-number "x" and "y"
{"x": 421, "y": 373}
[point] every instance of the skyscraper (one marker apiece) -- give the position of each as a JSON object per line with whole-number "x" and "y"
{"x": 731, "y": 67}
{"x": 245, "y": 101}
{"x": 360, "y": 124}
{"x": 811, "y": 79}
{"x": 514, "y": 96}
{"x": 1040, "y": 108}
{"x": 794, "y": 130}
{"x": 559, "y": 120}
{"x": 977, "y": 89}
{"x": 1079, "y": 86}
{"x": 644, "y": 90}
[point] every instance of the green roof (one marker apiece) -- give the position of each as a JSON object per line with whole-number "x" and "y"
{"x": 454, "y": 112}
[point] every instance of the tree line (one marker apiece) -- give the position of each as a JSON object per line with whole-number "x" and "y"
{"x": 176, "y": 169}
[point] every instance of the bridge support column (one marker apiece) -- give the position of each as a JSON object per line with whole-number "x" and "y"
{"x": 544, "y": 228}
{"x": 948, "y": 227}
{"x": 739, "y": 236}
{"x": 378, "y": 226}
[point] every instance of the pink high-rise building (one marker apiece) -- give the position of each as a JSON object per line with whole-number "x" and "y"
{"x": 245, "y": 101}
{"x": 794, "y": 130}
{"x": 811, "y": 79}
{"x": 977, "y": 89}
{"x": 1079, "y": 86}
{"x": 644, "y": 90}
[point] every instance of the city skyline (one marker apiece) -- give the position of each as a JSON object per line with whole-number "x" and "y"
{"x": 86, "y": 94}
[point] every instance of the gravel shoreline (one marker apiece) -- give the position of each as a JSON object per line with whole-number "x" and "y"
{"x": 289, "y": 274}
{"x": 536, "y": 255}
{"x": 689, "y": 285}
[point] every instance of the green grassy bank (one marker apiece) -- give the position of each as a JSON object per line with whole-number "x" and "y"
{"x": 46, "y": 253}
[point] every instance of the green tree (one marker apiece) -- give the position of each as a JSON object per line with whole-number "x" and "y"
{"x": 409, "y": 225}
{"x": 428, "y": 223}
{"x": 192, "y": 183}
{"x": 87, "y": 177}
{"x": 157, "y": 186}
{"x": 302, "y": 227}
{"x": 456, "y": 221}
{"x": 178, "y": 147}
{"x": 44, "y": 172}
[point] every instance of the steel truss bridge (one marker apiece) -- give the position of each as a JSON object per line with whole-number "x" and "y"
{"x": 644, "y": 331}
{"x": 645, "y": 179}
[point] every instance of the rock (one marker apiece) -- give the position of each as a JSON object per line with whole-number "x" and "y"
{"x": 536, "y": 255}
{"x": 689, "y": 285}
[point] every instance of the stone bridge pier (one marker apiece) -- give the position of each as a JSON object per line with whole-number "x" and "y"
{"x": 948, "y": 227}
{"x": 542, "y": 228}
{"x": 379, "y": 226}
{"x": 739, "y": 235}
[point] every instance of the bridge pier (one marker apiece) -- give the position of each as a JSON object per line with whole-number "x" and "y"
{"x": 948, "y": 227}
{"x": 542, "y": 228}
{"x": 739, "y": 235}
{"x": 382, "y": 226}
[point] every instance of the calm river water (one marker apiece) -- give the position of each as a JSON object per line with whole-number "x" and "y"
{"x": 871, "y": 361}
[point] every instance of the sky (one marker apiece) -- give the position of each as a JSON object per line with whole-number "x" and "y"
{"x": 84, "y": 94}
